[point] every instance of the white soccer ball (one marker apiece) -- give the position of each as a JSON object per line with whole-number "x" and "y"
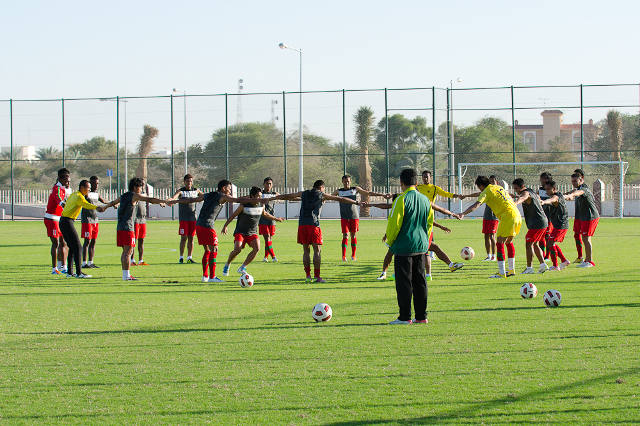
{"x": 246, "y": 280}
{"x": 321, "y": 312}
{"x": 552, "y": 298}
{"x": 467, "y": 253}
{"x": 528, "y": 291}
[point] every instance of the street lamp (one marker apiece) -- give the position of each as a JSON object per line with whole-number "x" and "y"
{"x": 184, "y": 110}
{"x": 126, "y": 164}
{"x": 453, "y": 143}
{"x": 301, "y": 155}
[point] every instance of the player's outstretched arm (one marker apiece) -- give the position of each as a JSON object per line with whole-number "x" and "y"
{"x": 362, "y": 191}
{"x": 112, "y": 203}
{"x": 471, "y": 208}
{"x": 152, "y": 200}
{"x": 472, "y": 195}
{"x": 272, "y": 217}
{"x": 444, "y": 211}
{"x": 239, "y": 210}
{"x": 383, "y": 206}
{"x": 573, "y": 194}
{"x": 522, "y": 198}
{"x": 341, "y": 199}
{"x": 444, "y": 228}
{"x": 290, "y": 197}
{"x": 171, "y": 201}
{"x": 551, "y": 200}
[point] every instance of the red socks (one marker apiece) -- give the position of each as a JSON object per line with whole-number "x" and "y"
{"x": 205, "y": 263}
{"x": 212, "y": 263}
{"x": 511, "y": 250}
{"x": 307, "y": 271}
{"x": 316, "y": 273}
{"x": 559, "y": 253}
{"x": 500, "y": 251}
{"x": 344, "y": 247}
{"x": 353, "y": 246}
{"x": 554, "y": 255}
{"x": 268, "y": 250}
{"x": 578, "y": 239}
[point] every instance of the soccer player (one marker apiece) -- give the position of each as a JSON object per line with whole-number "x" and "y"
{"x": 246, "y": 231}
{"x": 489, "y": 227}
{"x": 309, "y": 232}
{"x": 89, "y": 224}
{"x": 55, "y": 205}
{"x": 187, "y": 217}
{"x": 207, "y": 236}
{"x": 140, "y": 229}
{"x": 536, "y": 221}
{"x": 75, "y": 203}
{"x": 545, "y": 177}
{"x": 510, "y": 221}
{"x": 431, "y": 192}
{"x": 267, "y": 227}
{"x": 349, "y": 215}
{"x": 559, "y": 217}
{"x": 126, "y": 236}
{"x": 586, "y": 218}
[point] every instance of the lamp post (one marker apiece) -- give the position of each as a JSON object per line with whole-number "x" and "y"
{"x": 184, "y": 111}
{"x": 452, "y": 162}
{"x": 126, "y": 161}
{"x": 301, "y": 155}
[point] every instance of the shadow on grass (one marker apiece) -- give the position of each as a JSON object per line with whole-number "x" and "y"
{"x": 518, "y": 308}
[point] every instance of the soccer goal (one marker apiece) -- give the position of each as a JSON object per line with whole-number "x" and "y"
{"x": 609, "y": 176}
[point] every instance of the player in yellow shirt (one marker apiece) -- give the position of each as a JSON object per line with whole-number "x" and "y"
{"x": 510, "y": 221}
{"x": 431, "y": 191}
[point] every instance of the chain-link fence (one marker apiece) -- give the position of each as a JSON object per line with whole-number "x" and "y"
{"x": 370, "y": 134}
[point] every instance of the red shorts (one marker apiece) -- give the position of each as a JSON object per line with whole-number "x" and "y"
{"x": 534, "y": 235}
{"x": 187, "y": 228}
{"x": 244, "y": 239}
{"x": 267, "y": 229}
{"x": 89, "y": 231}
{"x": 489, "y": 226}
{"x": 586, "y": 228}
{"x": 557, "y": 235}
{"x": 206, "y": 236}
{"x": 126, "y": 238}
{"x": 53, "y": 228}
{"x": 350, "y": 225}
{"x": 309, "y": 234}
{"x": 141, "y": 230}
{"x": 550, "y": 229}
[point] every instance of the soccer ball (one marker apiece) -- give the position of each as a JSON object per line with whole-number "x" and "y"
{"x": 528, "y": 291}
{"x": 246, "y": 280}
{"x": 467, "y": 253}
{"x": 552, "y": 298}
{"x": 321, "y": 312}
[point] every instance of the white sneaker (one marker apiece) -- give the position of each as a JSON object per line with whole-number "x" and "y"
{"x": 85, "y": 265}
{"x": 275, "y": 259}
{"x": 83, "y": 276}
{"x": 555, "y": 268}
{"x": 528, "y": 270}
{"x": 399, "y": 322}
{"x": 487, "y": 259}
{"x": 225, "y": 270}
{"x": 564, "y": 264}
{"x": 241, "y": 270}
{"x": 205, "y": 279}
{"x": 543, "y": 268}
{"x": 382, "y": 276}
{"x": 265, "y": 259}
{"x": 585, "y": 265}
{"x": 215, "y": 280}
{"x": 432, "y": 254}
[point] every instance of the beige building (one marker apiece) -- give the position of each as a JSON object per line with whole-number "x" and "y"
{"x": 537, "y": 137}
{"x": 21, "y": 153}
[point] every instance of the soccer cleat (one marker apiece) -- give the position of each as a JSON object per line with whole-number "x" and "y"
{"x": 428, "y": 277}
{"x": 353, "y": 258}
{"x": 586, "y": 265}
{"x": 190, "y": 260}
{"x": 133, "y": 263}
{"x": 487, "y": 259}
{"x": 225, "y": 270}
{"x": 308, "y": 279}
{"x": 215, "y": 280}
{"x": 56, "y": 272}
{"x": 432, "y": 254}
{"x": 143, "y": 264}
{"x": 564, "y": 264}
{"x": 85, "y": 265}
{"x": 415, "y": 321}
{"x": 71, "y": 275}
{"x": 528, "y": 270}
{"x": 498, "y": 275}
{"x": 398, "y": 321}
{"x": 456, "y": 266}
{"x": 94, "y": 266}
{"x": 242, "y": 269}
{"x": 511, "y": 273}
{"x": 275, "y": 259}
{"x": 181, "y": 260}
{"x": 578, "y": 260}
{"x": 382, "y": 276}
{"x": 64, "y": 271}
{"x": 265, "y": 259}
{"x": 205, "y": 279}
{"x": 344, "y": 259}
{"x": 543, "y": 268}
{"x": 320, "y": 280}
{"x": 130, "y": 278}
{"x": 83, "y": 276}
{"x": 555, "y": 268}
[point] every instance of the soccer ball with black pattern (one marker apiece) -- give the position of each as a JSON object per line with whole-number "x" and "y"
{"x": 552, "y": 298}
{"x": 322, "y": 312}
{"x": 528, "y": 291}
{"x": 246, "y": 280}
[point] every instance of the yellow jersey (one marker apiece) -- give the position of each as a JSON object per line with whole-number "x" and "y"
{"x": 75, "y": 203}
{"x": 432, "y": 191}
{"x": 499, "y": 201}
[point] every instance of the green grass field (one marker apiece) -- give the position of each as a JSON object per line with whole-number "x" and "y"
{"x": 169, "y": 349}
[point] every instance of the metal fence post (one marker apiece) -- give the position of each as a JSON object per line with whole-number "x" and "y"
{"x": 173, "y": 190}
{"x": 11, "y": 156}
{"x": 581, "y": 128}
{"x": 386, "y": 137}
{"x": 513, "y": 133}
{"x": 118, "y": 144}
{"x": 63, "y": 156}
{"x": 344, "y": 136}
{"x": 449, "y": 165}
{"x": 284, "y": 150}
{"x": 433, "y": 132}
{"x": 226, "y": 136}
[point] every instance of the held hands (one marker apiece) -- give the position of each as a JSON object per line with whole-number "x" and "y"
{"x": 100, "y": 209}
{"x": 363, "y": 204}
{"x": 224, "y": 230}
{"x": 279, "y": 219}
{"x": 458, "y": 216}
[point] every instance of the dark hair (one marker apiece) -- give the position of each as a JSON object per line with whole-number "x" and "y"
{"x": 135, "y": 183}
{"x": 187, "y": 176}
{"x": 93, "y": 178}
{"x": 267, "y": 179}
{"x": 317, "y": 184}
{"x": 545, "y": 175}
{"x": 518, "y": 182}
{"x": 580, "y": 172}
{"x": 493, "y": 177}
{"x": 482, "y": 180}
{"x": 394, "y": 196}
{"x": 83, "y": 182}
{"x": 223, "y": 183}
{"x": 63, "y": 171}
{"x": 346, "y": 176}
{"x": 408, "y": 177}
{"x": 426, "y": 171}
{"x": 577, "y": 175}
{"x": 551, "y": 183}
{"x": 254, "y": 191}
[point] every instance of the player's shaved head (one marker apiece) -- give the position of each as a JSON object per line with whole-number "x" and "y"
{"x": 267, "y": 179}
{"x": 408, "y": 177}
{"x": 83, "y": 183}
{"x": 482, "y": 182}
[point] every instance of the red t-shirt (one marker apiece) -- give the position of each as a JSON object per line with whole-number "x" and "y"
{"x": 54, "y": 207}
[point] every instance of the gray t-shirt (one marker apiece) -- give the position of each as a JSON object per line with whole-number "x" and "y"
{"x": 558, "y": 215}
{"x": 544, "y": 196}
{"x": 270, "y": 208}
{"x": 348, "y": 211}
{"x": 488, "y": 214}
{"x": 126, "y": 212}
{"x": 310, "y": 207}
{"x": 533, "y": 214}
{"x": 90, "y": 216}
{"x": 210, "y": 210}
{"x": 187, "y": 212}
{"x": 141, "y": 212}
{"x": 247, "y": 223}
{"x": 586, "y": 204}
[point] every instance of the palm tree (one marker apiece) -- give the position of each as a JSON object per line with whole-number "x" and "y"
{"x": 47, "y": 153}
{"x": 363, "y": 120}
{"x": 144, "y": 149}
{"x": 614, "y": 122}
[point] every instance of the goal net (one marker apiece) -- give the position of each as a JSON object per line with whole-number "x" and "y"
{"x": 605, "y": 178}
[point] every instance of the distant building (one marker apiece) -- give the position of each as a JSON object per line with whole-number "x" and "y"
{"x": 537, "y": 137}
{"x": 21, "y": 153}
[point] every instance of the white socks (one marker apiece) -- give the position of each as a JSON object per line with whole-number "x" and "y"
{"x": 125, "y": 274}
{"x": 54, "y": 269}
{"x": 512, "y": 263}
{"x": 189, "y": 257}
{"x": 501, "y": 269}
{"x": 90, "y": 262}
{"x": 60, "y": 266}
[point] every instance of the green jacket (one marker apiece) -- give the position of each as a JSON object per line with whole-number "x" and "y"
{"x": 410, "y": 223}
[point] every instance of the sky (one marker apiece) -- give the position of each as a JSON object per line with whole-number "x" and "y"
{"x": 137, "y": 48}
